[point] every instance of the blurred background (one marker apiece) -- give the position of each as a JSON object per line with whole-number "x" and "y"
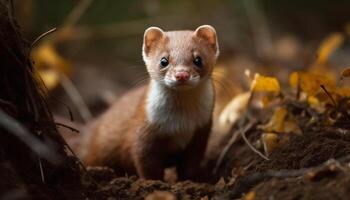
{"x": 95, "y": 53}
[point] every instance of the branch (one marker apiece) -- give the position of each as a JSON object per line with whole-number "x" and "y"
{"x": 16, "y": 129}
{"x": 250, "y": 181}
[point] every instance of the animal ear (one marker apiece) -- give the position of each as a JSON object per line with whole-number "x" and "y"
{"x": 208, "y": 33}
{"x": 151, "y": 36}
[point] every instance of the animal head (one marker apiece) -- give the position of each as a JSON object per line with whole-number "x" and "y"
{"x": 180, "y": 59}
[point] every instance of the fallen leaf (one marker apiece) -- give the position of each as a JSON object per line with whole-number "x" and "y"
{"x": 265, "y": 101}
{"x": 276, "y": 122}
{"x": 310, "y": 82}
{"x": 250, "y": 196}
{"x": 270, "y": 142}
{"x": 346, "y": 72}
{"x": 232, "y": 112}
{"x": 343, "y": 91}
{"x": 313, "y": 101}
{"x": 291, "y": 126}
{"x": 48, "y": 62}
{"x": 49, "y": 77}
{"x": 220, "y": 185}
{"x": 328, "y": 46}
{"x": 265, "y": 84}
{"x": 294, "y": 79}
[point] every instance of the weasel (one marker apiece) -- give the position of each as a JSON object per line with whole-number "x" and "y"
{"x": 168, "y": 121}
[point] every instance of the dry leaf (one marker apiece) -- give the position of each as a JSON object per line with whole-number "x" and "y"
{"x": 276, "y": 122}
{"x": 48, "y": 62}
{"x": 232, "y": 112}
{"x": 310, "y": 82}
{"x": 317, "y": 102}
{"x": 220, "y": 185}
{"x": 346, "y": 72}
{"x": 313, "y": 101}
{"x": 328, "y": 46}
{"x": 265, "y": 84}
{"x": 291, "y": 126}
{"x": 49, "y": 77}
{"x": 294, "y": 79}
{"x": 270, "y": 142}
{"x": 343, "y": 92}
{"x": 250, "y": 196}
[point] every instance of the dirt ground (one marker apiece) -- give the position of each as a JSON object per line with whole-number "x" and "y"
{"x": 303, "y": 168}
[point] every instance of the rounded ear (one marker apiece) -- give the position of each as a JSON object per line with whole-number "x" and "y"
{"x": 151, "y": 36}
{"x": 208, "y": 33}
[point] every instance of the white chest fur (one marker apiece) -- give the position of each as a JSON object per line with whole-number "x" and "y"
{"x": 179, "y": 113}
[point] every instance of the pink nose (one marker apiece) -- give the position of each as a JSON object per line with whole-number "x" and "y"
{"x": 182, "y": 76}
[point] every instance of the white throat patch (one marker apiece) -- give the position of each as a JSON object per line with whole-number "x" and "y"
{"x": 176, "y": 115}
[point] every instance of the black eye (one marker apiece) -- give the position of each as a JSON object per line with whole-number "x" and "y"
{"x": 164, "y": 62}
{"x": 197, "y": 61}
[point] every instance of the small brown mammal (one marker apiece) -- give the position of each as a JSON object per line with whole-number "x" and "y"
{"x": 168, "y": 121}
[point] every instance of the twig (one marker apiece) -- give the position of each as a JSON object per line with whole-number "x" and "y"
{"x": 236, "y": 134}
{"x": 75, "y": 97}
{"x": 41, "y": 171}
{"x": 80, "y": 163}
{"x": 15, "y": 128}
{"x": 224, "y": 151}
{"x": 329, "y": 95}
{"x": 68, "y": 127}
{"x": 77, "y": 13}
{"x": 243, "y": 132}
{"x": 250, "y": 145}
{"x": 7, "y": 103}
{"x": 228, "y": 146}
{"x": 70, "y": 113}
{"x": 298, "y": 88}
{"x": 249, "y": 181}
{"x": 41, "y": 37}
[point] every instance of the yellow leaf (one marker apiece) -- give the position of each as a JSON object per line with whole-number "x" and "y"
{"x": 265, "y": 84}
{"x": 265, "y": 101}
{"x": 250, "y": 196}
{"x": 346, "y": 72}
{"x": 45, "y": 56}
{"x": 270, "y": 142}
{"x": 313, "y": 101}
{"x": 294, "y": 79}
{"x": 310, "y": 82}
{"x": 343, "y": 92}
{"x": 49, "y": 63}
{"x": 276, "y": 122}
{"x": 328, "y": 46}
{"x": 50, "y": 78}
{"x": 291, "y": 126}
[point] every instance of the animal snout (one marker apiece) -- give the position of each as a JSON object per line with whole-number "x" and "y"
{"x": 182, "y": 76}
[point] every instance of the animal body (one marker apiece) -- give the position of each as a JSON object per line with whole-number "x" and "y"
{"x": 168, "y": 121}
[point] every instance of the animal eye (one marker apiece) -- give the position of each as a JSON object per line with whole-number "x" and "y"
{"x": 197, "y": 61}
{"x": 164, "y": 62}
